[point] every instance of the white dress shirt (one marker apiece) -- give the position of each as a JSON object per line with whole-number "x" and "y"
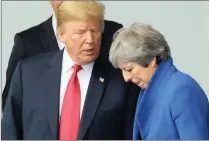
{"x": 84, "y": 76}
{"x": 54, "y": 25}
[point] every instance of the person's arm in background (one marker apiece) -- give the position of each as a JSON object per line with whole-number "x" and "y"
{"x": 17, "y": 54}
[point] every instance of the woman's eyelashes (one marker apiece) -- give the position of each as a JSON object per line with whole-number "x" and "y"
{"x": 128, "y": 70}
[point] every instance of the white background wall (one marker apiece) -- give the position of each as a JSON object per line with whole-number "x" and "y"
{"x": 184, "y": 24}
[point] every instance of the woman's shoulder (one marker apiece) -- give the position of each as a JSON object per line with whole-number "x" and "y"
{"x": 180, "y": 80}
{"x": 184, "y": 86}
{"x": 189, "y": 107}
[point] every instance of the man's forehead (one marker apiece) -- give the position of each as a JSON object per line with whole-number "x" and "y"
{"x": 81, "y": 26}
{"x": 84, "y": 23}
{"x": 85, "y": 26}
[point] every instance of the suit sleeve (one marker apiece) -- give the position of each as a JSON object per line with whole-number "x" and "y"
{"x": 11, "y": 126}
{"x": 16, "y": 55}
{"x": 190, "y": 111}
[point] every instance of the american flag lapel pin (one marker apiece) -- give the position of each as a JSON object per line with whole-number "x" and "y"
{"x": 101, "y": 79}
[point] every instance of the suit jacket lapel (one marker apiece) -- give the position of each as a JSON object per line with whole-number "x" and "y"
{"x": 47, "y": 36}
{"x": 52, "y": 92}
{"x": 93, "y": 97}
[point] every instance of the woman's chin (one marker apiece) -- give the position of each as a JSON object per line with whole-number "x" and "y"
{"x": 142, "y": 85}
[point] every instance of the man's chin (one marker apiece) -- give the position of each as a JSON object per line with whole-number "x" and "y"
{"x": 88, "y": 60}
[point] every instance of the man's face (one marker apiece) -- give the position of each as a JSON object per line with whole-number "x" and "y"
{"x": 82, "y": 40}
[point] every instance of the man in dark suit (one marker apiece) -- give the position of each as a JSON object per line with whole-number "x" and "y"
{"x": 41, "y": 39}
{"x": 73, "y": 93}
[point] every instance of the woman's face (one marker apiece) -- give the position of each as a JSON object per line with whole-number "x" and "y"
{"x": 138, "y": 74}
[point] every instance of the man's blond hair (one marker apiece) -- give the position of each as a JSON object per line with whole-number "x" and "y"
{"x": 80, "y": 10}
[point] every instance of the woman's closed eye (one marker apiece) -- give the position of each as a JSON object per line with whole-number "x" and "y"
{"x": 128, "y": 70}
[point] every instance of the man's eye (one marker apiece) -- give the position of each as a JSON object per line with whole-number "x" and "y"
{"x": 80, "y": 33}
{"x": 94, "y": 30}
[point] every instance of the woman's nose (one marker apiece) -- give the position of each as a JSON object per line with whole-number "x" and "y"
{"x": 127, "y": 76}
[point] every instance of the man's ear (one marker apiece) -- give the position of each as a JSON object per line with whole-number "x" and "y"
{"x": 61, "y": 36}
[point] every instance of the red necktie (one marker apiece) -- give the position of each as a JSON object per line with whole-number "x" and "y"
{"x": 70, "y": 114}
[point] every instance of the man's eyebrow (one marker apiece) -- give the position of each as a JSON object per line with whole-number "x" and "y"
{"x": 81, "y": 29}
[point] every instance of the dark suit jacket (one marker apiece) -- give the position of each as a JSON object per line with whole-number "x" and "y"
{"x": 41, "y": 39}
{"x": 32, "y": 108}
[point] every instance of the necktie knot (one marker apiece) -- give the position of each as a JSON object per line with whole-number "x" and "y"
{"x": 77, "y": 68}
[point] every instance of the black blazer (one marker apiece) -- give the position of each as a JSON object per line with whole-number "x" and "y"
{"x": 41, "y": 39}
{"x": 32, "y": 107}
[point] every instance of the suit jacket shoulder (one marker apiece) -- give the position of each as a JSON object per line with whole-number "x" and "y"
{"x": 112, "y": 25}
{"x": 34, "y": 31}
{"x": 107, "y": 37}
{"x": 110, "y": 28}
{"x": 181, "y": 81}
{"x": 40, "y": 61}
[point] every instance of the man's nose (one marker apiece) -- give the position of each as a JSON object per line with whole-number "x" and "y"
{"x": 89, "y": 38}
